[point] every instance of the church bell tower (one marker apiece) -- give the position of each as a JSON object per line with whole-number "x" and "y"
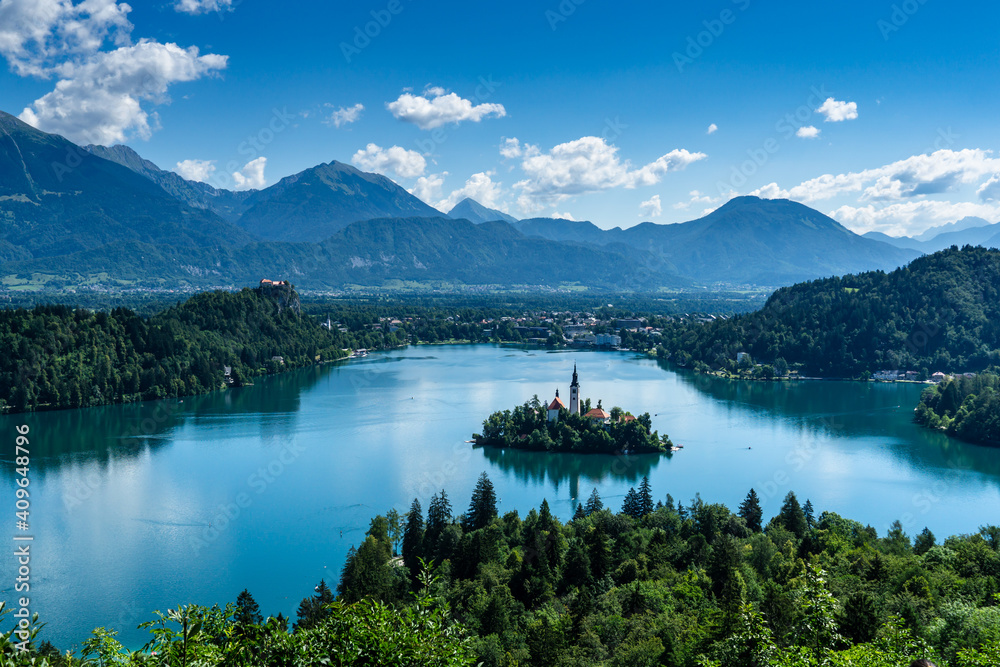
{"x": 574, "y": 394}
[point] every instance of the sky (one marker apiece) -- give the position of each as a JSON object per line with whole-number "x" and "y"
{"x": 879, "y": 114}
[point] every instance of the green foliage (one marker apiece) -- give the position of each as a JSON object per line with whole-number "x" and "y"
{"x": 527, "y": 427}
{"x": 66, "y": 358}
{"x": 965, "y": 407}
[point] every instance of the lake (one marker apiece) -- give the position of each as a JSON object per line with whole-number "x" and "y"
{"x": 143, "y": 507}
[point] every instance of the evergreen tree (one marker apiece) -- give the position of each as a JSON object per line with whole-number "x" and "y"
{"x": 807, "y": 510}
{"x": 438, "y": 517}
{"x": 792, "y": 517}
{"x": 645, "y": 496}
{"x": 751, "y": 512}
{"x": 633, "y": 504}
{"x": 483, "y": 507}
{"x": 313, "y": 610}
{"x": 580, "y": 513}
{"x": 924, "y": 542}
{"x": 247, "y": 611}
{"x": 594, "y": 503}
{"x": 413, "y": 537}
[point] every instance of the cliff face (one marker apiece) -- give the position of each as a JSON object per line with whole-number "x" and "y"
{"x": 282, "y": 294}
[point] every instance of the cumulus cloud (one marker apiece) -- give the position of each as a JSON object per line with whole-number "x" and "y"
{"x": 990, "y": 190}
{"x": 910, "y": 217}
{"x": 344, "y": 115}
{"x": 428, "y": 188}
{"x": 436, "y": 107}
{"x": 101, "y": 92}
{"x": 396, "y": 159}
{"x": 36, "y": 35}
{"x": 251, "y": 176}
{"x": 480, "y": 187}
{"x": 651, "y": 207}
{"x": 562, "y": 216}
{"x": 588, "y": 164}
{"x": 917, "y": 175}
{"x": 712, "y": 128}
{"x": 196, "y": 170}
{"x": 203, "y": 6}
{"x": 807, "y": 132}
{"x": 100, "y": 99}
{"x": 836, "y": 111}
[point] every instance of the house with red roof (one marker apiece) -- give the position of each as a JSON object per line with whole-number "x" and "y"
{"x": 554, "y": 407}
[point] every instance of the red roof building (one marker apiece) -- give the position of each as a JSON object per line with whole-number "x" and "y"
{"x": 598, "y": 413}
{"x": 556, "y": 403}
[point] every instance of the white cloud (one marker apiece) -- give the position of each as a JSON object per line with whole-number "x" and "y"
{"x": 990, "y": 190}
{"x": 562, "y": 216}
{"x": 428, "y": 188}
{"x": 99, "y": 94}
{"x": 807, "y": 132}
{"x": 435, "y": 108}
{"x": 251, "y": 176}
{"x": 196, "y": 170}
{"x": 914, "y": 176}
{"x": 203, "y": 6}
{"x": 400, "y": 161}
{"x": 100, "y": 99}
{"x": 712, "y": 129}
{"x": 480, "y": 187}
{"x": 651, "y": 207}
{"x": 35, "y": 35}
{"x": 910, "y": 217}
{"x": 344, "y": 115}
{"x": 836, "y": 111}
{"x": 588, "y": 164}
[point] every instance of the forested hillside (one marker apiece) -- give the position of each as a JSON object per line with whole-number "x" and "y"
{"x": 61, "y": 357}
{"x": 940, "y": 313}
{"x": 658, "y": 583}
{"x": 966, "y": 407}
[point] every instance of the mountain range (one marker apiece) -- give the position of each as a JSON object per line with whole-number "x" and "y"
{"x": 104, "y": 215}
{"x": 967, "y": 231}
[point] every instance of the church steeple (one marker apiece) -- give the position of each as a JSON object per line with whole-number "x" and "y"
{"x": 574, "y": 394}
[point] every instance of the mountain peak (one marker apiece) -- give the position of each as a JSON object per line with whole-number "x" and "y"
{"x": 471, "y": 210}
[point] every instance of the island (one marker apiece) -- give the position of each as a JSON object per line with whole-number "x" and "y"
{"x": 965, "y": 406}
{"x": 577, "y": 428}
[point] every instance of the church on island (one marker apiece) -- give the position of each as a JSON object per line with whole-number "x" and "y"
{"x": 597, "y": 414}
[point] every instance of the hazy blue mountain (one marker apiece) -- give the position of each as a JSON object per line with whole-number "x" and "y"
{"x": 316, "y": 203}
{"x": 56, "y": 198}
{"x": 376, "y": 252}
{"x": 471, "y": 210}
{"x": 747, "y": 240}
{"x": 972, "y": 234}
{"x": 226, "y": 203}
{"x": 967, "y": 222}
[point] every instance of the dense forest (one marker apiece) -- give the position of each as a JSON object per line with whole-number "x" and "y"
{"x": 63, "y": 357}
{"x": 527, "y": 427}
{"x": 965, "y": 407}
{"x": 657, "y": 583}
{"x": 939, "y": 313}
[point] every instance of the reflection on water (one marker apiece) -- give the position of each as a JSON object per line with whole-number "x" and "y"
{"x": 557, "y": 469}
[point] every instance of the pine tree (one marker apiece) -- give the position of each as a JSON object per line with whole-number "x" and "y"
{"x": 807, "y": 510}
{"x": 632, "y": 505}
{"x": 413, "y": 537}
{"x": 580, "y": 513}
{"x": 751, "y": 512}
{"x": 792, "y": 517}
{"x": 594, "y": 503}
{"x": 438, "y": 516}
{"x": 247, "y": 610}
{"x": 313, "y": 610}
{"x": 645, "y": 497}
{"x": 483, "y": 507}
{"x": 925, "y": 540}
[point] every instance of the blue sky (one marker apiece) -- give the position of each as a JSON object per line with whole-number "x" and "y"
{"x": 880, "y": 114}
